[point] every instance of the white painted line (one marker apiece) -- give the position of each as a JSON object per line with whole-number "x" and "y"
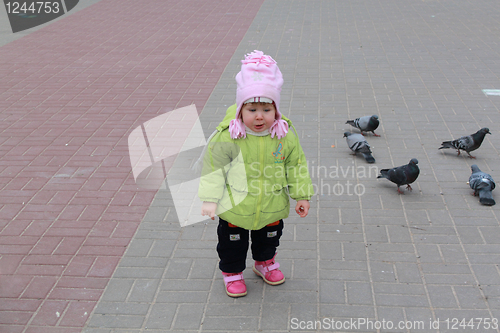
{"x": 491, "y": 92}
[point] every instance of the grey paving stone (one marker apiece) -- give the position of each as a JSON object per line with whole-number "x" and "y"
{"x": 185, "y": 284}
{"x": 359, "y": 293}
{"x": 429, "y": 253}
{"x": 382, "y": 272}
{"x": 162, "y": 248}
{"x": 251, "y": 310}
{"x": 182, "y": 297}
{"x": 116, "y": 321}
{"x": 342, "y": 311}
{"x": 446, "y": 269}
{"x": 300, "y": 284}
{"x": 401, "y": 300}
{"x": 160, "y": 317}
{"x": 117, "y": 290}
{"x": 274, "y": 317}
{"x": 376, "y": 234}
{"x": 399, "y": 234}
{"x": 470, "y": 297}
{"x": 188, "y": 316}
{"x": 394, "y": 315}
{"x": 304, "y": 254}
{"x": 332, "y": 292}
{"x": 398, "y": 257}
{"x": 442, "y": 297}
{"x": 450, "y": 279}
{"x": 144, "y": 262}
{"x": 415, "y": 314}
{"x": 156, "y": 214}
{"x": 143, "y": 291}
{"x": 138, "y": 273}
{"x": 303, "y": 312}
{"x": 277, "y": 296}
{"x": 109, "y": 308}
{"x": 343, "y": 265}
{"x": 203, "y": 268}
{"x": 399, "y": 289}
{"x": 343, "y": 275}
{"x": 194, "y": 253}
{"x": 354, "y": 251}
{"x": 450, "y": 314}
{"x": 156, "y": 234}
{"x": 178, "y": 268}
{"x": 426, "y": 255}
{"x": 244, "y": 323}
{"x": 486, "y": 274}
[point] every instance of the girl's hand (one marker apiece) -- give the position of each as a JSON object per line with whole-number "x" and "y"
{"x": 302, "y": 208}
{"x": 208, "y": 208}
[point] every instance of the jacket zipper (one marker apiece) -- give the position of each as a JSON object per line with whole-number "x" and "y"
{"x": 261, "y": 180}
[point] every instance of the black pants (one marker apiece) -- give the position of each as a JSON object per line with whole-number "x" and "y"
{"x": 233, "y": 245}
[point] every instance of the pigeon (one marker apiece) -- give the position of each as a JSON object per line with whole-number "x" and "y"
{"x": 358, "y": 144}
{"x": 365, "y": 124}
{"x": 468, "y": 142}
{"x": 482, "y": 184}
{"x": 402, "y": 175}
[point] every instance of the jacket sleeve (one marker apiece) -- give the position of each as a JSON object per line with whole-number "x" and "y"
{"x": 297, "y": 174}
{"x": 216, "y": 161}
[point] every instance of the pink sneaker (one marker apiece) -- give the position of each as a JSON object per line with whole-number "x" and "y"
{"x": 268, "y": 270}
{"x": 235, "y": 284}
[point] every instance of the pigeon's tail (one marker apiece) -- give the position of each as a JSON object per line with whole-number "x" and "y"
{"x": 368, "y": 157}
{"x": 485, "y": 197}
{"x": 447, "y": 144}
{"x": 384, "y": 173}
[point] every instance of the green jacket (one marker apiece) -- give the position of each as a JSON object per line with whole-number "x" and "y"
{"x": 251, "y": 179}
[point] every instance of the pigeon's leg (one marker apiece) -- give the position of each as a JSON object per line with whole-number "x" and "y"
{"x": 375, "y": 133}
{"x": 400, "y": 192}
{"x": 458, "y": 152}
{"x": 470, "y": 156}
{"x": 408, "y": 187}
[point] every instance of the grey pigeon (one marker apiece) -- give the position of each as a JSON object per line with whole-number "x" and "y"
{"x": 358, "y": 144}
{"x": 482, "y": 184}
{"x": 365, "y": 124}
{"x": 468, "y": 142}
{"x": 402, "y": 175}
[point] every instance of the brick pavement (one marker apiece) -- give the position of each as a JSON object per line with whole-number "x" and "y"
{"x": 427, "y": 255}
{"x": 71, "y": 93}
{"x": 6, "y": 35}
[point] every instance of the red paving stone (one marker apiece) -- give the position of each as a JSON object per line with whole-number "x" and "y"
{"x": 70, "y": 94}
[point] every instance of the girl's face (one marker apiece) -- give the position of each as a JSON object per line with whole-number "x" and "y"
{"x": 258, "y": 116}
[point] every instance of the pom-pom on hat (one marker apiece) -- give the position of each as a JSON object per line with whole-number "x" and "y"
{"x": 260, "y": 79}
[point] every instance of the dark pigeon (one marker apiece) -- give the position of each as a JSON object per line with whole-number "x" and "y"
{"x": 468, "y": 142}
{"x": 402, "y": 175}
{"x": 365, "y": 124}
{"x": 482, "y": 184}
{"x": 358, "y": 144}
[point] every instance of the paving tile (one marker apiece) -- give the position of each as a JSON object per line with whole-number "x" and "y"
{"x": 79, "y": 235}
{"x": 160, "y": 317}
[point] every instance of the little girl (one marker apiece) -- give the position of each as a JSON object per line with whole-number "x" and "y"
{"x": 251, "y": 168}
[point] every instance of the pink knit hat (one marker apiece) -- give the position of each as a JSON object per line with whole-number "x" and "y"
{"x": 259, "y": 77}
